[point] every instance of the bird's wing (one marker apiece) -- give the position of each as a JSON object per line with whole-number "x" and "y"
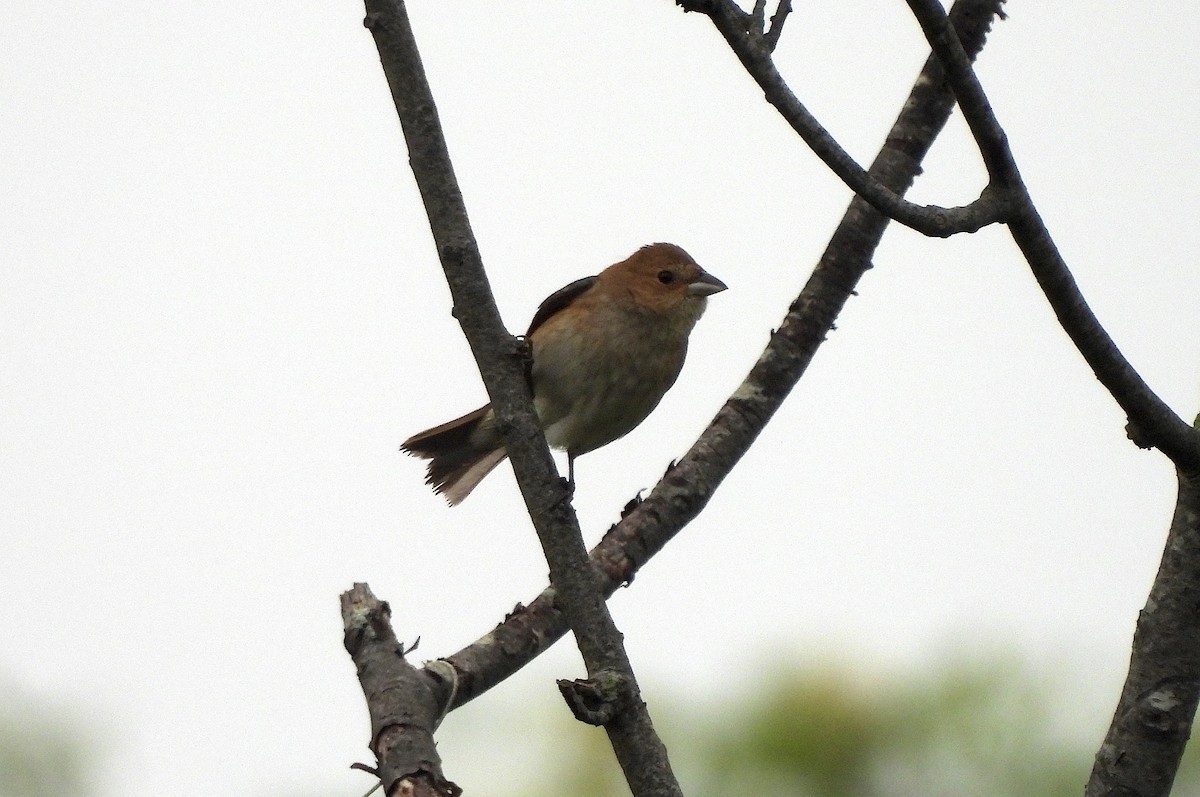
{"x": 558, "y": 300}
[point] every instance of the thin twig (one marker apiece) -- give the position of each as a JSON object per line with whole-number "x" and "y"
{"x": 752, "y": 49}
{"x": 758, "y": 16}
{"x": 771, "y": 36}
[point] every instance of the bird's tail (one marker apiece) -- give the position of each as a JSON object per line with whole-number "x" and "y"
{"x": 460, "y": 453}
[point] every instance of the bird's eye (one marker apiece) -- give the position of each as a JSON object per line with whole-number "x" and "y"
{"x": 666, "y": 277}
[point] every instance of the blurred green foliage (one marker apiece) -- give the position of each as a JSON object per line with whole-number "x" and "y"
{"x": 838, "y": 730}
{"x": 41, "y": 753}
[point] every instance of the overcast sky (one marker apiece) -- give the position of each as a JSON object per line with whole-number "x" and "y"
{"x": 221, "y": 313}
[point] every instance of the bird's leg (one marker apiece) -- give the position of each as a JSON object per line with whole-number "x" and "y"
{"x": 570, "y": 480}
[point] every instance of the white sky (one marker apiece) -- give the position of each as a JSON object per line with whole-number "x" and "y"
{"x": 220, "y": 313}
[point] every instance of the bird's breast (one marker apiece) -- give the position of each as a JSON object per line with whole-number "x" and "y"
{"x": 594, "y": 383}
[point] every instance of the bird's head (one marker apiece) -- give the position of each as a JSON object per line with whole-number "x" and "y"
{"x": 663, "y": 278}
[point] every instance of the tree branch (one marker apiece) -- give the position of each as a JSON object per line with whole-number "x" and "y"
{"x": 752, "y": 48}
{"x": 977, "y": 111}
{"x": 1152, "y": 422}
{"x": 758, "y": 22}
{"x": 1141, "y": 752}
{"x": 771, "y": 35}
{"x": 688, "y": 485}
{"x": 642, "y": 755}
{"x": 404, "y": 702}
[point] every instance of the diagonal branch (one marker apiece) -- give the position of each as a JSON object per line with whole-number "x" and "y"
{"x": 749, "y": 44}
{"x": 1141, "y": 752}
{"x": 687, "y": 487}
{"x": 977, "y": 111}
{"x": 642, "y": 755}
{"x": 1152, "y": 422}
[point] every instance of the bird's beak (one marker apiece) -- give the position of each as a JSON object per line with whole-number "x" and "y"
{"x": 705, "y": 285}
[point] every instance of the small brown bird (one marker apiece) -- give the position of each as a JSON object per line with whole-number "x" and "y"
{"x": 605, "y": 351}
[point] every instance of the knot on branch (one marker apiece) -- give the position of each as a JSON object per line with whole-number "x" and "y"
{"x": 1135, "y": 432}
{"x": 599, "y": 699}
{"x": 1156, "y": 712}
{"x": 367, "y": 620}
{"x": 699, "y": 6}
{"x": 1165, "y": 710}
{"x": 423, "y": 784}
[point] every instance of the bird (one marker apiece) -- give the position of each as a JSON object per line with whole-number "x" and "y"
{"x": 604, "y": 351}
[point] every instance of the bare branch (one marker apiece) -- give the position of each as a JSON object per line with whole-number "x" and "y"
{"x": 758, "y": 16}
{"x": 1154, "y": 422}
{"x": 498, "y": 354}
{"x": 642, "y": 755}
{"x": 989, "y": 136}
{"x": 1141, "y": 752}
{"x": 403, "y": 701}
{"x": 771, "y": 37}
{"x": 752, "y": 49}
{"x": 686, "y": 488}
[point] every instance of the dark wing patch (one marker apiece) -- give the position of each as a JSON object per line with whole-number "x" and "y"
{"x": 558, "y": 300}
